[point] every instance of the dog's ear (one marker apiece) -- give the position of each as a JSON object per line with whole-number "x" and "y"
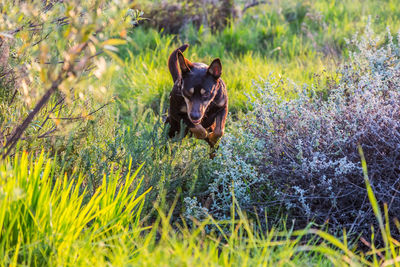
{"x": 173, "y": 62}
{"x": 215, "y": 68}
{"x": 184, "y": 63}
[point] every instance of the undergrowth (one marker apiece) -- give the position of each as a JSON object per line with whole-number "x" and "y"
{"x": 48, "y": 223}
{"x": 290, "y": 150}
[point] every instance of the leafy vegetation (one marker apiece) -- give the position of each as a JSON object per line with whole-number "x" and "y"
{"x": 302, "y": 154}
{"x": 89, "y": 177}
{"x": 46, "y": 220}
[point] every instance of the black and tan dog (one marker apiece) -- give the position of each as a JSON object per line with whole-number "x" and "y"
{"x": 199, "y": 98}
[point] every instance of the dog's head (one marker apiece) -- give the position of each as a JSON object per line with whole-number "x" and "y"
{"x": 199, "y": 85}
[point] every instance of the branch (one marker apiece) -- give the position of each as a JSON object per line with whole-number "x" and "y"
{"x": 44, "y": 135}
{"x": 51, "y": 111}
{"x": 47, "y": 133}
{"x": 10, "y": 143}
{"x": 82, "y": 117}
{"x": 60, "y": 21}
{"x": 16, "y": 135}
{"x": 253, "y": 4}
{"x": 38, "y": 42}
{"x": 76, "y": 61}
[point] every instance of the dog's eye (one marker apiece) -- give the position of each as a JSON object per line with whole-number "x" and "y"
{"x": 188, "y": 92}
{"x": 204, "y": 93}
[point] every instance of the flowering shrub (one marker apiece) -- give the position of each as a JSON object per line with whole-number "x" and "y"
{"x": 303, "y": 152}
{"x": 194, "y": 209}
{"x": 235, "y": 170}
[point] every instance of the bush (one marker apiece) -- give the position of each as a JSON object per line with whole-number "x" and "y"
{"x": 303, "y": 152}
{"x": 55, "y": 69}
{"x": 174, "y": 16}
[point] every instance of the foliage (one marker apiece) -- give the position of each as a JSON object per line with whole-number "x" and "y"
{"x": 174, "y": 16}
{"x": 93, "y": 142}
{"x": 305, "y": 149}
{"x": 298, "y": 40}
{"x": 54, "y": 57}
{"x": 46, "y": 220}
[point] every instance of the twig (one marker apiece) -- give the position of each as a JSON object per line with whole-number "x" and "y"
{"x": 60, "y": 21}
{"x": 47, "y": 133}
{"x": 82, "y": 117}
{"x": 253, "y": 4}
{"x": 13, "y": 97}
{"x": 38, "y": 42}
{"x": 76, "y": 61}
{"x": 51, "y": 111}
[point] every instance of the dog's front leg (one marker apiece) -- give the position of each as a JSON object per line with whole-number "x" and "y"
{"x": 199, "y": 131}
{"x": 219, "y": 129}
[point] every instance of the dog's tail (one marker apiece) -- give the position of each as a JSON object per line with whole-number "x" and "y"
{"x": 173, "y": 62}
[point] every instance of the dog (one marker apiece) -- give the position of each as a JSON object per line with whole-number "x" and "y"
{"x": 199, "y": 98}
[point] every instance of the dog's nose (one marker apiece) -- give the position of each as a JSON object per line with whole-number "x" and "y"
{"x": 195, "y": 116}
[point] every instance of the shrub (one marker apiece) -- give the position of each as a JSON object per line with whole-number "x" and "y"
{"x": 55, "y": 68}
{"x": 174, "y": 16}
{"x": 235, "y": 171}
{"x": 303, "y": 151}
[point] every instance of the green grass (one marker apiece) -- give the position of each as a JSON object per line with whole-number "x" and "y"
{"x": 99, "y": 216}
{"x": 145, "y": 78}
{"x": 297, "y": 40}
{"x": 304, "y": 42}
{"x": 45, "y": 220}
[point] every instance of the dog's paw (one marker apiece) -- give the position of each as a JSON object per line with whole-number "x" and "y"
{"x": 199, "y": 132}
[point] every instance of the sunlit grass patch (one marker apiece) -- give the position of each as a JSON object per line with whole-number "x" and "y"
{"x": 145, "y": 78}
{"x": 46, "y": 219}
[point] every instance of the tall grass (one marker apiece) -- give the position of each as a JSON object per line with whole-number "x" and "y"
{"x": 145, "y": 80}
{"x": 47, "y": 219}
{"x": 298, "y": 39}
{"x": 100, "y": 217}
